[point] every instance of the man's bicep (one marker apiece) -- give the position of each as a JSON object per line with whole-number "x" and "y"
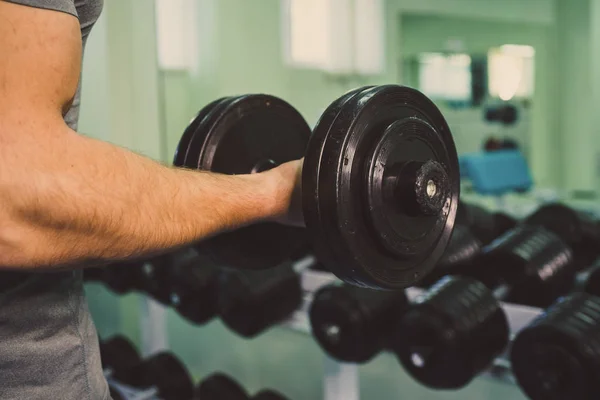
{"x": 40, "y": 61}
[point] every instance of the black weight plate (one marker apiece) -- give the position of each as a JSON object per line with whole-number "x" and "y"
{"x": 118, "y": 354}
{"x": 575, "y": 227}
{"x": 166, "y": 373}
{"x": 183, "y": 145}
{"x": 220, "y": 387}
{"x": 269, "y": 394}
{"x": 379, "y": 247}
{"x": 242, "y": 135}
{"x": 312, "y": 165}
{"x": 201, "y": 132}
{"x": 557, "y": 357}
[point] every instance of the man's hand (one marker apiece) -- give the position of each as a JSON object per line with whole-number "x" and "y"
{"x": 288, "y": 185}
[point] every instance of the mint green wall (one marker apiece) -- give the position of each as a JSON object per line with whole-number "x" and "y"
{"x": 575, "y": 111}
{"x": 594, "y": 51}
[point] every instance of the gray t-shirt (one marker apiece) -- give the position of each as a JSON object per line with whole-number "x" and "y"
{"x": 48, "y": 342}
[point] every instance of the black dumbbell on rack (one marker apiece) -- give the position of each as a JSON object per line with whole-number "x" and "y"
{"x": 119, "y": 277}
{"x": 223, "y": 387}
{"x": 380, "y": 181}
{"x": 354, "y": 324}
{"x": 220, "y": 387}
{"x": 557, "y": 357}
{"x": 485, "y": 225}
{"x": 162, "y": 372}
{"x": 249, "y": 302}
{"x": 118, "y": 355}
{"x": 458, "y": 327}
{"x": 463, "y": 248}
{"x": 577, "y": 228}
{"x": 182, "y": 279}
{"x": 124, "y": 277}
{"x": 268, "y": 394}
{"x": 193, "y": 289}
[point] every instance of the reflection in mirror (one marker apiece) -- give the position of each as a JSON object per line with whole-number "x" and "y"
{"x": 486, "y": 98}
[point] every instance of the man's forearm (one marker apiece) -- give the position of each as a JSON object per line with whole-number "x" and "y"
{"x": 72, "y": 199}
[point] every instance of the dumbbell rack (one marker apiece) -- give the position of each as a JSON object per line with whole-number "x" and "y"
{"x": 341, "y": 380}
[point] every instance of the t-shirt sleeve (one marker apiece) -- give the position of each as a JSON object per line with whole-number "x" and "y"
{"x": 67, "y": 6}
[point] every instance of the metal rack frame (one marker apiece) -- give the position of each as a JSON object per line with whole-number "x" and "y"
{"x": 341, "y": 380}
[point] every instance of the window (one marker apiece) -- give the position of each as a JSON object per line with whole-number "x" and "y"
{"x": 446, "y": 77}
{"x": 176, "y": 36}
{"x": 338, "y": 36}
{"x": 307, "y": 39}
{"x": 511, "y": 72}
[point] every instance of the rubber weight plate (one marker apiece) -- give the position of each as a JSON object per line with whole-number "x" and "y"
{"x": 243, "y": 135}
{"x": 557, "y": 357}
{"x": 269, "y": 394}
{"x": 380, "y": 186}
{"x": 119, "y": 355}
{"x": 188, "y": 134}
{"x": 220, "y": 387}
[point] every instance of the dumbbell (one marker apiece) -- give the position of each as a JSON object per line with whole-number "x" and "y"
{"x": 182, "y": 279}
{"x": 120, "y": 277}
{"x": 380, "y": 181}
{"x": 250, "y": 302}
{"x": 269, "y": 394}
{"x": 115, "y": 394}
{"x": 156, "y": 274}
{"x": 458, "y": 327}
{"x": 163, "y": 372}
{"x": 506, "y": 114}
{"x": 193, "y": 289}
{"x": 222, "y": 387}
{"x": 577, "y": 228}
{"x": 463, "y": 248}
{"x": 555, "y": 345}
{"x": 94, "y": 274}
{"x": 485, "y": 225}
{"x": 118, "y": 355}
{"x": 353, "y": 324}
{"x": 557, "y": 357}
